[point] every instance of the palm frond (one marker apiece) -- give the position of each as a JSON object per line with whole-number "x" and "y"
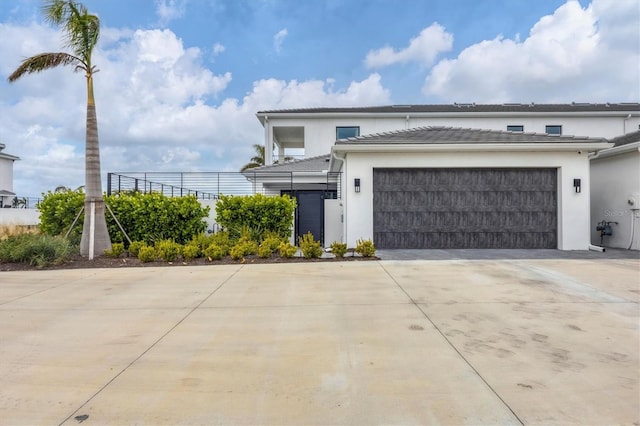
{"x": 251, "y": 165}
{"x": 44, "y": 61}
{"x": 81, "y": 28}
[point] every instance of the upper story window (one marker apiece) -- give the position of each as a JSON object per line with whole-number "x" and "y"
{"x": 347, "y": 132}
{"x": 553, "y": 130}
{"x": 515, "y": 128}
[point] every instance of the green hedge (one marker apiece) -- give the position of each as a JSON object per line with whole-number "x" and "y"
{"x": 258, "y": 214}
{"x": 145, "y": 217}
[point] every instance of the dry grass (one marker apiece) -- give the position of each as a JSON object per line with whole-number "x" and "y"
{"x": 7, "y": 231}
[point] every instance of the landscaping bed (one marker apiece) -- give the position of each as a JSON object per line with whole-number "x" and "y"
{"x": 78, "y": 262}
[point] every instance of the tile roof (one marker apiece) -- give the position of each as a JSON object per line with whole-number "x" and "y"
{"x": 471, "y": 108}
{"x": 626, "y": 139}
{"x": 313, "y": 164}
{"x": 457, "y": 135}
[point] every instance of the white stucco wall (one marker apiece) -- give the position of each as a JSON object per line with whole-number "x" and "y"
{"x": 6, "y": 174}
{"x": 614, "y": 180}
{"x": 19, "y": 217}
{"x": 332, "y": 222}
{"x": 320, "y": 132}
{"x": 573, "y": 208}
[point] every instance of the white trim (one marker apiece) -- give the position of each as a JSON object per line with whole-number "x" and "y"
{"x": 609, "y": 152}
{"x": 458, "y": 147}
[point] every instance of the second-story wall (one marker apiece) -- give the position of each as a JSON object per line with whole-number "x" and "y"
{"x": 320, "y": 131}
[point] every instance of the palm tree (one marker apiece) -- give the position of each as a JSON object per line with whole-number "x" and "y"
{"x": 82, "y": 30}
{"x": 257, "y": 160}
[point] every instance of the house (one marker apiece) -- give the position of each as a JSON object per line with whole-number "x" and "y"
{"x": 311, "y": 132}
{"x": 615, "y": 192}
{"x": 447, "y": 176}
{"x": 6, "y": 177}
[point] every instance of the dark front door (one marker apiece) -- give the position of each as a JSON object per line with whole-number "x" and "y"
{"x": 465, "y": 208}
{"x": 309, "y": 214}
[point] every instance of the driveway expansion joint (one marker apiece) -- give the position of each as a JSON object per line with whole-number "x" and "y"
{"x": 417, "y": 305}
{"x": 191, "y": 311}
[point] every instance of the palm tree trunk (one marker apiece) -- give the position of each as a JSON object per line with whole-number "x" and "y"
{"x": 95, "y": 237}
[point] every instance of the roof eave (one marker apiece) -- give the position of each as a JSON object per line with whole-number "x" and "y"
{"x": 490, "y": 146}
{"x": 617, "y": 150}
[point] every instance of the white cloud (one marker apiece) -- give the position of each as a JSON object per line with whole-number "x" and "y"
{"x": 218, "y": 48}
{"x": 168, "y": 10}
{"x": 582, "y": 54}
{"x": 159, "y": 108}
{"x": 423, "y": 49}
{"x": 278, "y": 39}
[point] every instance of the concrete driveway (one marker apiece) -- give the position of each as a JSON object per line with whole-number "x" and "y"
{"x": 380, "y": 342}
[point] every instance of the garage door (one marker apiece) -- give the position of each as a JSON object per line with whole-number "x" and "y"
{"x": 465, "y": 208}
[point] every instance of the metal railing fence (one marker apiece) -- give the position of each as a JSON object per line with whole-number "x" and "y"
{"x": 18, "y": 202}
{"x": 210, "y": 185}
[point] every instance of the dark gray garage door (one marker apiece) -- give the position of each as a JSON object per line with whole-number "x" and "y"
{"x": 464, "y": 208}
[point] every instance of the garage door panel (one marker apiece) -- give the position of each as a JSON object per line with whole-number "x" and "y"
{"x": 465, "y": 208}
{"x": 470, "y": 200}
{"x": 456, "y": 240}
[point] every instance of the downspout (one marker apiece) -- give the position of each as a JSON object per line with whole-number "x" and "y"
{"x": 633, "y": 223}
{"x": 407, "y": 122}
{"x": 344, "y": 185}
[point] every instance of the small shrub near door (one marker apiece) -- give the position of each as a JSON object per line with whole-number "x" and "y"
{"x": 365, "y": 248}
{"x": 338, "y": 249}
{"x": 309, "y": 246}
{"x": 286, "y": 250}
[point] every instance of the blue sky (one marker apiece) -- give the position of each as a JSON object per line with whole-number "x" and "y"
{"x": 181, "y": 80}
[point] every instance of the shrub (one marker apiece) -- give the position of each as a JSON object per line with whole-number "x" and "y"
{"x": 272, "y": 242}
{"x": 264, "y": 251}
{"x": 366, "y": 248}
{"x": 190, "y": 251}
{"x": 168, "y": 250}
{"x": 287, "y": 250}
{"x": 37, "y": 250}
{"x": 258, "y": 213}
{"x": 310, "y": 248}
{"x": 145, "y": 217}
{"x": 58, "y": 210}
{"x": 338, "y": 249}
{"x": 147, "y": 254}
{"x": 243, "y": 248}
{"x": 222, "y": 239}
{"x": 116, "y": 250}
{"x": 215, "y": 252}
{"x": 135, "y": 246}
{"x": 154, "y": 217}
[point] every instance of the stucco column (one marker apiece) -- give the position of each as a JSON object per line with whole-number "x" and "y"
{"x": 268, "y": 142}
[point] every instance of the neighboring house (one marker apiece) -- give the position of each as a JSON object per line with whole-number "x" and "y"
{"x": 425, "y": 176}
{"x": 615, "y": 192}
{"x": 6, "y": 177}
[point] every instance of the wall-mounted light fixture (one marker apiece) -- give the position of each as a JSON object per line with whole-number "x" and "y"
{"x": 356, "y": 184}
{"x": 577, "y": 186}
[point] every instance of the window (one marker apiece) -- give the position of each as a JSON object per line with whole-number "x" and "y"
{"x": 515, "y": 128}
{"x": 347, "y": 132}
{"x": 553, "y": 130}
